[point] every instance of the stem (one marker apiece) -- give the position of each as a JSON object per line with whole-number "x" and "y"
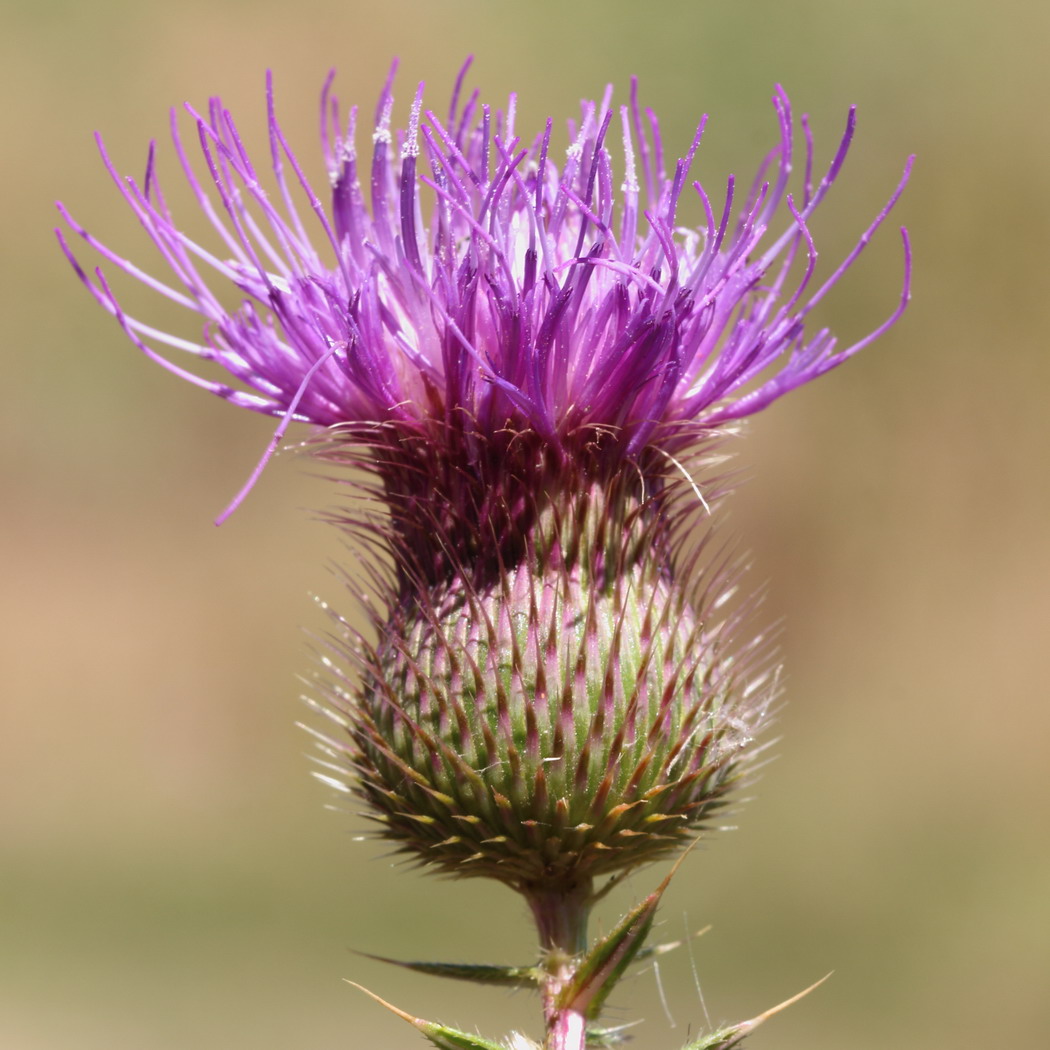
{"x": 561, "y": 913}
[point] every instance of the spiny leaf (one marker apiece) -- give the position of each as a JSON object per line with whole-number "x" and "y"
{"x": 726, "y": 1038}
{"x": 508, "y": 976}
{"x": 443, "y": 1037}
{"x": 606, "y": 962}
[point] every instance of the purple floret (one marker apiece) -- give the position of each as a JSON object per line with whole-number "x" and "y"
{"x": 471, "y": 275}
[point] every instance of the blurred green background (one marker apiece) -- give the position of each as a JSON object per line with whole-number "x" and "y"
{"x": 169, "y": 878}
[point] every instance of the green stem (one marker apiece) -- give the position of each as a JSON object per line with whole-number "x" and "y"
{"x": 561, "y": 913}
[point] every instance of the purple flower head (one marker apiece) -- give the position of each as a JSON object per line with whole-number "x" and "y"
{"x": 465, "y": 273}
{"x": 515, "y": 348}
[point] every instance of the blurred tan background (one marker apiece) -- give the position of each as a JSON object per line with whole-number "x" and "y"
{"x": 168, "y": 877}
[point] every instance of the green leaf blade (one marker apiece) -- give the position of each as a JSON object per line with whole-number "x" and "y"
{"x": 505, "y": 976}
{"x": 607, "y": 961}
{"x": 441, "y": 1036}
{"x": 727, "y": 1038}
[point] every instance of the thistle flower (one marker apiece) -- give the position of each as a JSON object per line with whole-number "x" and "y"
{"x": 532, "y": 362}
